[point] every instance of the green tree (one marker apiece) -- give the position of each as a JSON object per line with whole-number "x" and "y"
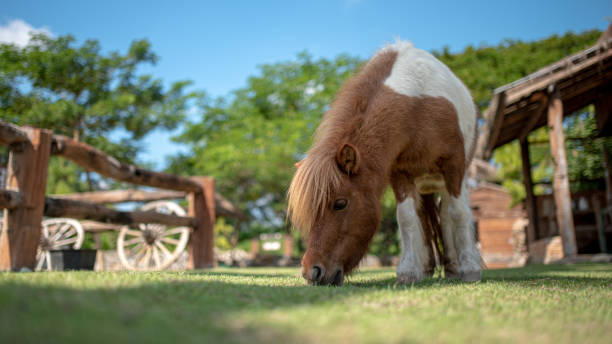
{"x": 78, "y": 91}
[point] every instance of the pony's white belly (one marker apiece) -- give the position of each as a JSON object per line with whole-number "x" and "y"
{"x": 430, "y": 183}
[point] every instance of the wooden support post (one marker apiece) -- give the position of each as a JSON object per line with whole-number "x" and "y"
{"x": 561, "y": 191}
{"x": 255, "y": 246}
{"x": 202, "y": 207}
{"x": 530, "y": 203}
{"x": 601, "y": 231}
{"x": 27, "y": 173}
{"x": 603, "y": 112}
{"x": 608, "y": 173}
{"x": 287, "y": 245}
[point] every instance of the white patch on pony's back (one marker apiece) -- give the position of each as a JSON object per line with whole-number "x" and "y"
{"x": 417, "y": 73}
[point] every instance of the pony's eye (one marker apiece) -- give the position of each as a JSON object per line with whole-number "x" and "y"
{"x": 340, "y": 204}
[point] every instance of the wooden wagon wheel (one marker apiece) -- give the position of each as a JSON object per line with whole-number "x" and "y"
{"x": 153, "y": 246}
{"x": 58, "y": 234}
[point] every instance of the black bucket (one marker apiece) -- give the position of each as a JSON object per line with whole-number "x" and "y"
{"x": 72, "y": 259}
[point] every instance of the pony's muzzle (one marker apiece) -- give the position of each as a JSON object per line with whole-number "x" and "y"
{"x": 317, "y": 276}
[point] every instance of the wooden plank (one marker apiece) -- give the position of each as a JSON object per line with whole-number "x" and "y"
{"x": 530, "y": 205}
{"x": 94, "y": 160}
{"x": 98, "y": 227}
{"x": 546, "y": 250}
{"x": 535, "y": 116}
{"x": 11, "y": 134}
{"x": 561, "y": 192}
{"x": 10, "y": 199}
{"x": 223, "y": 207}
{"x": 27, "y": 174}
{"x": 88, "y": 211}
{"x": 202, "y": 207}
{"x": 120, "y": 196}
{"x": 492, "y": 127}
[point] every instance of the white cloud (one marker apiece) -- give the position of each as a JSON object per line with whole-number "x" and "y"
{"x": 19, "y": 32}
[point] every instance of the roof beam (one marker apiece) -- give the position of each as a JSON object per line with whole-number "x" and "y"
{"x": 492, "y": 127}
{"x": 536, "y": 116}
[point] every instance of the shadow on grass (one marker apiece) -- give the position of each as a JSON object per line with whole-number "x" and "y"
{"x": 184, "y": 308}
{"x": 525, "y": 276}
{"x": 244, "y": 274}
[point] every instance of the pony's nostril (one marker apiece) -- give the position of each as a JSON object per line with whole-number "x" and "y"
{"x": 338, "y": 278}
{"x": 316, "y": 274}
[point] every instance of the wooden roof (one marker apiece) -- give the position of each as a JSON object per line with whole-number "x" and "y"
{"x": 519, "y": 107}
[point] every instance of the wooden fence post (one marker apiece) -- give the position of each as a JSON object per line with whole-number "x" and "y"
{"x": 26, "y": 173}
{"x": 201, "y": 242}
{"x": 561, "y": 190}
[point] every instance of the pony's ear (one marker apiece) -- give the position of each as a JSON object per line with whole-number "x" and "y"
{"x": 348, "y": 159}
{"x": 297, "y": 164}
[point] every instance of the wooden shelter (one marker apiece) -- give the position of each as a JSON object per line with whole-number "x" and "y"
{"x": 544, "y": 98}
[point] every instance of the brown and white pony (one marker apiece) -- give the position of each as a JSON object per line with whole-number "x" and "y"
{"x": 407, "y": 121}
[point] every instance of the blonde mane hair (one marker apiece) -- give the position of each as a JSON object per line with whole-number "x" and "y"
{"x": 316, "y": 179}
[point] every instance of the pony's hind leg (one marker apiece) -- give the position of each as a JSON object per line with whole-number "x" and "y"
{"x": 462, "y": 258}
{"x": 416, "y": 260}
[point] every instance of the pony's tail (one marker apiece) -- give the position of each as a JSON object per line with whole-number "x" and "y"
{"x": 430, "y": 218}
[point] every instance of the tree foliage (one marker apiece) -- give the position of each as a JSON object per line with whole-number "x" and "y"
{"x": 78, "y": 91}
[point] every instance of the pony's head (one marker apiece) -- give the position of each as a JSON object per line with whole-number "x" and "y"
{"x": 335, "y": 193}
{"x": 332, "y": 200}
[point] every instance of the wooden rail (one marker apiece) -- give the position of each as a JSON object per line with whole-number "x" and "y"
{"x": 94, "y": 160}
{"x": 223, "y": 207}
{"x": 10, "y": 134}
{"x": 120, "y": 196}
{"x": 57, "y": 207}
{"x": 25, "y": 203}
{"x": 82, "y": 210}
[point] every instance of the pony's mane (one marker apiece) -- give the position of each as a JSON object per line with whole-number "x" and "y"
{"x": 311, "y": 189}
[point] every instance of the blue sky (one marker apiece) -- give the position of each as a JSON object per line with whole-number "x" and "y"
{"x": 219, "y": 44}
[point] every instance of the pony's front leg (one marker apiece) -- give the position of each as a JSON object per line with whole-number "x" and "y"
{"x": 462, "y": 258}
{"x": 414, "y": 264}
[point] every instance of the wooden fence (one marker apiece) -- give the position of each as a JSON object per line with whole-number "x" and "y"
{"x": 25, "y": 204}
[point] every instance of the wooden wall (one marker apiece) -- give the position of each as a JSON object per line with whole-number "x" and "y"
{"x": 500, "y": 228}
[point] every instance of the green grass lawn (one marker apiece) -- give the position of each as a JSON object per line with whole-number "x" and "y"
{"x": 543, "y": 304}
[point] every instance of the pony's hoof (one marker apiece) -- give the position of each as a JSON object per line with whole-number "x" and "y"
{"x": 409, "y": 278}
{"x": 471, "y": 276}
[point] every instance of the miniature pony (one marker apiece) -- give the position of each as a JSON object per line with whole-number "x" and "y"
{"x": 407, "y": 121}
